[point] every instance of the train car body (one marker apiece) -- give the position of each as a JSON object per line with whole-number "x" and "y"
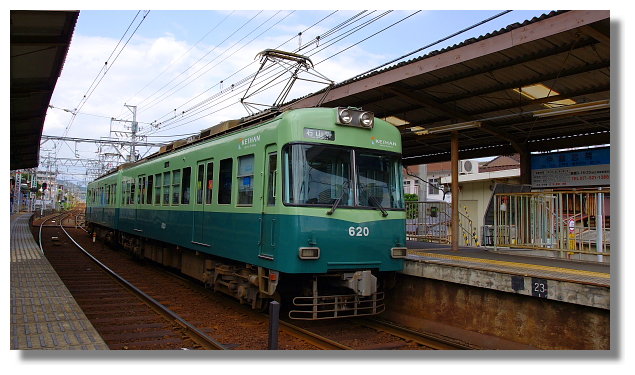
{"x": 308, "y": 204}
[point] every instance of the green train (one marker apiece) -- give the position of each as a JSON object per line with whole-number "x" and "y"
{"x": 305, "y": 207}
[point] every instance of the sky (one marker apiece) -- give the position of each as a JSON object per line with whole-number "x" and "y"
{"x": 170, "y": 64}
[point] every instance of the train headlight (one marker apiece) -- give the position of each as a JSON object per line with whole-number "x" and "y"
{"x": 355, "y": 117}
{"x": 366, "y": 119}
{"x": 309, "y": 253}
{"x": 398, "y": 252}
{"x": 345, "y": 116}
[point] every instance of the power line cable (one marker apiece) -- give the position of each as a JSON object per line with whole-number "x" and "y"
{"x": 182, "y": 56}
{"x": 153, "y": 102}
{"x": 332, "y": 41}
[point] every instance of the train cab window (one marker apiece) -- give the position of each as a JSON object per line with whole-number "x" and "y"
{"x": 176, "y": 186}
{"x": 166, "y": 188}
{"x": 225, "y": 186}
{"x": 246, "y": 180}
{"x": 185, "y": 186}
{"x": 318, "y": 175}
{"x": 149, "y": 190}
{"x": 210, "y": 183}
{"x": 157, "y": 189}
{"x": 379, "y": 180}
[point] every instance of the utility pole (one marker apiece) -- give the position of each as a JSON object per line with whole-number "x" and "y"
{"x": 133, "y": 109}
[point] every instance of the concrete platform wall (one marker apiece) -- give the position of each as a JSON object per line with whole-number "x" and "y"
{"x": 492, "y": 319}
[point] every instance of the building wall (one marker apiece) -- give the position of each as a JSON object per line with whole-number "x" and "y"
{"x": 481, "y": 192}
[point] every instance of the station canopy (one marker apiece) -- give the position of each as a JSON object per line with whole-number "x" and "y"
{"x": 39, "y": 44}
{"x": 540, "y": 85}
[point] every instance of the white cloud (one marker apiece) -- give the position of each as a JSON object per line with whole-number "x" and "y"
{"x": 149, "y": 73}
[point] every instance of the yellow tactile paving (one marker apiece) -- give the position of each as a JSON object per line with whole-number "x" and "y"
{"x": 512, "y": 264}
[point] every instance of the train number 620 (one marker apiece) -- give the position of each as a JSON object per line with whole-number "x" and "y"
{"x": 358, "y": 231}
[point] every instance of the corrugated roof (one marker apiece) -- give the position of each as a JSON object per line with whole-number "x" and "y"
{"x": 567, "y": 51}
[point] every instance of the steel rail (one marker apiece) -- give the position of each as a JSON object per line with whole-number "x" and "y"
{"x": 313, "y": 338}
{"x": 429, "y": 340}
{"x": 40, "y": 231}
{"x": 198, "y": 336}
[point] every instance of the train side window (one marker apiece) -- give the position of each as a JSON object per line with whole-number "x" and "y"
{"x": 271, "y": 183}
{"x": 176, "y": 186}
{"x": 166, "y": 188}
{"x": 132, "y": 192}
{"x": 209, "y": 185}
{"x": 149, "y": 189}
{"x": 225, "y": 177}
{"x": 200, "y": 177}
{"x": 157, "y": 189}
{"x": 185, "y": 185}
{"x": 144, "y": 188}
{"x": 246, "y": 179}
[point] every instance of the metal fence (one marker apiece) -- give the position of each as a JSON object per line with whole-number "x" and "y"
{"x": 572, "y": 222}
{"x": 430, "y": 221}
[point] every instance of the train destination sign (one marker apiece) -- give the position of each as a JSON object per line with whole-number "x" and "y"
{"x": 324, "y": 135}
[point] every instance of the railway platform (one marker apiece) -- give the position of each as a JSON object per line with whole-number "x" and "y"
{"x": 503, "y": 299}
{"x": 582, "y": 283}
{"x": 44, "y": 314}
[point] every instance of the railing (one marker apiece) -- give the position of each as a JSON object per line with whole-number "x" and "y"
{"x": 430, "y": 221}
{"x": 570, "y": 222}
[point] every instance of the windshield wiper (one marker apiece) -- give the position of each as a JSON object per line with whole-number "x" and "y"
{"x": 374, "y": 200}
{"x": 337, "y": 201}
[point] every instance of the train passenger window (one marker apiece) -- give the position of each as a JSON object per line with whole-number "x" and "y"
{"x": 185, "y": 186}
{"x": 246, "y": 179}
{"x": 149, "y": 190}
{"x": 166, "y": 188}
{"x": 157, "y": 189}
{"x": 225, "y": 177}
{"x": 271, "y": 184}
{"x": 132, "y": 191}
{"x": 210, "y": 182}
{"x": 142, "y": 192}
{"x": 200, "y": 177}
{"x": 176, "y": 186}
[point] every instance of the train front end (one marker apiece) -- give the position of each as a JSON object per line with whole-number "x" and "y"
{"x": 344, "y": 227}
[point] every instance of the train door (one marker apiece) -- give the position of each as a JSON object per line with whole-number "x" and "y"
{"x": 268, "y": 220}
{"x": 203, "y": 202}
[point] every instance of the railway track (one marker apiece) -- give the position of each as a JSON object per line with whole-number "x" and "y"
{"x": 350, "y": 334}
{"x": 125, "y": 316}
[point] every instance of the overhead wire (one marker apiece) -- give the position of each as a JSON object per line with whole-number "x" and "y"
{"x": 245, "y": 80}
{"x": 107, "y": 67}
{"x": 248, "y": 65}
{"x": 181, "y": 57}
{"x": 154, "y": 101}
